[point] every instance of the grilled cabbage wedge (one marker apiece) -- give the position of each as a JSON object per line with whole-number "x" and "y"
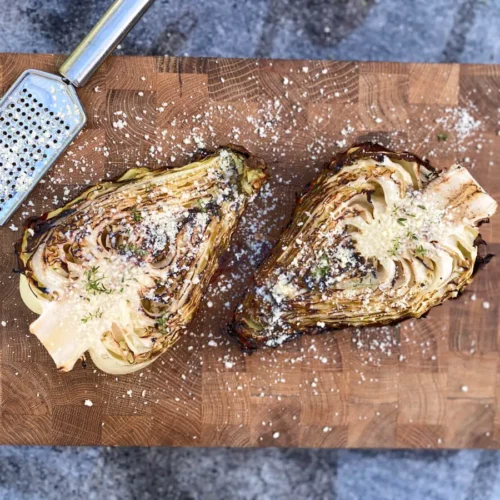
{"x": 378, "y": 237}
{"x": 121, "y": 270}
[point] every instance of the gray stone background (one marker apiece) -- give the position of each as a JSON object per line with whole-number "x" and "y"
{"x": 412, "y": 30}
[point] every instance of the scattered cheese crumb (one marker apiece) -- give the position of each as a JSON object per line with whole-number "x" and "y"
{"x": 88, "y": 403}
{"x": 119, "y": 124}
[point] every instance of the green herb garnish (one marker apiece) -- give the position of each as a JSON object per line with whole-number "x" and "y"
{"x": 442, "y": 137}
{"x": 321, "y": 271}
{"x": 162, "y": 321}
{"x": 131, "y": 248}
{"x": 395, "y": 247}
{"x": 401, "y": 221}
{"x": 97, "y": 314}
{"x": 420, "y": 251}
{"x": 201, "y": 206}
{"x": 136, "y": 215}
{"x": 94, "y": 281}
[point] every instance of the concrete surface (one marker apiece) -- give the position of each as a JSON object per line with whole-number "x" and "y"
{"x": 413, "y": 30}
{"x": 255, "y": 474}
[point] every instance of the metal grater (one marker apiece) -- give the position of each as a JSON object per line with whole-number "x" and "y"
{"x": 41, "y": 115}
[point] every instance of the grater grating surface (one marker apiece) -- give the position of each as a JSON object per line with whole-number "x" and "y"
{"x": 39, "y": 117}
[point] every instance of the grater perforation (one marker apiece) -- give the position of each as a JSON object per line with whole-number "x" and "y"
{"x": 39, "y": 117}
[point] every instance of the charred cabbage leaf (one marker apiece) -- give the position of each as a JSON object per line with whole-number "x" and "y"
{"x": 120, "y": 270}
{"x": 378, "y": 237}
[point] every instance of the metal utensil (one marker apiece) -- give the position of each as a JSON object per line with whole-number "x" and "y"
{"x": 40, "y": 114}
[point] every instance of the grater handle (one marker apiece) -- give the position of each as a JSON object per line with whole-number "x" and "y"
{"x": 102, "y": 39}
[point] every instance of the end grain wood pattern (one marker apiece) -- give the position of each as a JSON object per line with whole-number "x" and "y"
{"x": 428, "y": 383}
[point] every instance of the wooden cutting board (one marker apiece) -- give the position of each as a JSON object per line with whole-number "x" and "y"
{"x": 427, "y": 383}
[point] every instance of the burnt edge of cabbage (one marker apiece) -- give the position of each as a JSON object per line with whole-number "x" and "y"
{"x": 372, "y": 150}
{"x": 250, "y": 344}
{"x": 367, "y": 150}
{"x": 42, "y": 224}
{"x": 481, "y": 245}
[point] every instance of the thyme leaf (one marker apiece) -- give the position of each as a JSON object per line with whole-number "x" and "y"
{"x": 90, "y": 316}
{"x": 136, "y": 215}
{"x": 420, "y": 251}
{"x": 94, "y": 283}
{"x": 395, "y": 247}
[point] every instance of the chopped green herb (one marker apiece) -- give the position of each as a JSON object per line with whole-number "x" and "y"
{"x": 321, "y": 271}
{"x": 442, "y": 137}
{"x": 395, "y": 247}
{"x": 421, "y": 207}
{"x": 401, "y": 221}
{"x": 201, "y": 206}
{"x": 94, "y": 281}
{"x": 90, "y": 316}
{"x": 131, "y": 248}
{"x": 136, "y": 215}
{"x": 162, "y": 321}
{"x": 420, "y": 251}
